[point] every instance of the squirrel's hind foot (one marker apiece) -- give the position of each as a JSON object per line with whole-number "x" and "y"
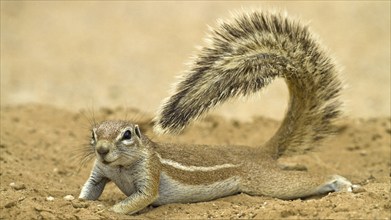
{"x": 338, "y": 184}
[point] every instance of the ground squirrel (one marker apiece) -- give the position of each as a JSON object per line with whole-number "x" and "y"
{"x": 242, "y": 56}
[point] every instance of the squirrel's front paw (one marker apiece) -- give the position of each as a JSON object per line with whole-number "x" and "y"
{"x": 341, "y": 184}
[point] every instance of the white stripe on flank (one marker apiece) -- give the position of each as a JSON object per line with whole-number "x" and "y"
{"x": 195, "y": 168}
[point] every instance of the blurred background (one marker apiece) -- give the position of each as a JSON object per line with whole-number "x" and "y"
{"x": 91, "y": 54}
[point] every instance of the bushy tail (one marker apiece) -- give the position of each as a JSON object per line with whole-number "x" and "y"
{"x": 245, "y": 55}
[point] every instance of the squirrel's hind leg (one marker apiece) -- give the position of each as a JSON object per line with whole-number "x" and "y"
{"x": 284, "y": 184}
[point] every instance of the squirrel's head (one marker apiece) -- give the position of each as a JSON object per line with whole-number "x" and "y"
{"x": 117, "y": 143}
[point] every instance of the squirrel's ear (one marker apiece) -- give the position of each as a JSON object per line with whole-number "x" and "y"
{"x": 137, "y": 131}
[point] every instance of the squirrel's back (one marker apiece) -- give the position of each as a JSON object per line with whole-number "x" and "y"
{"x": 243, "y": 56}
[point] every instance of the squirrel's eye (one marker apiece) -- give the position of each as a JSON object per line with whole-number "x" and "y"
{"x": 127, "y": 135}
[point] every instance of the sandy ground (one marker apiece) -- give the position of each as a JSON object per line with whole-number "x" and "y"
{"x": 39, "y": 148}
{"x": 80, "y": 60}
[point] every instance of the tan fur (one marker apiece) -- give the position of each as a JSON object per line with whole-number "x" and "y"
{"x": 243, "y": 56}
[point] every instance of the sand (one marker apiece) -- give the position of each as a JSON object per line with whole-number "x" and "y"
{"x": 64, "y": 63}
{"x": 39, "y": 167}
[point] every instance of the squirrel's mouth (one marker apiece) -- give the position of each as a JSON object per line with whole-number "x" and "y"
{"x": 105, "y": 161}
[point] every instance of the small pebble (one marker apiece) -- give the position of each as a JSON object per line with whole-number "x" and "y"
{"x": 17, "y": 186}
{"x": 358, "y": 189}
{"x": 363, "y": 153}
{"x": 49, "y": 198}
{"x": 10, "y": 204}
{"x": 241, "y": 214}
{"x": 13, "y": 203}
{"x": 69, "y": 197}
{"x": 79, "y": 205}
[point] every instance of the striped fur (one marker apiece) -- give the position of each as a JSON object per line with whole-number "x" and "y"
{"x": 180, "y": 166}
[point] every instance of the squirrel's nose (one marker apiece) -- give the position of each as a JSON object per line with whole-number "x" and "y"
{"x": 103, "y": 148}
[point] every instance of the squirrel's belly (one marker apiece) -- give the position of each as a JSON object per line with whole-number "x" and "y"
{"x": 173, "y": 191}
